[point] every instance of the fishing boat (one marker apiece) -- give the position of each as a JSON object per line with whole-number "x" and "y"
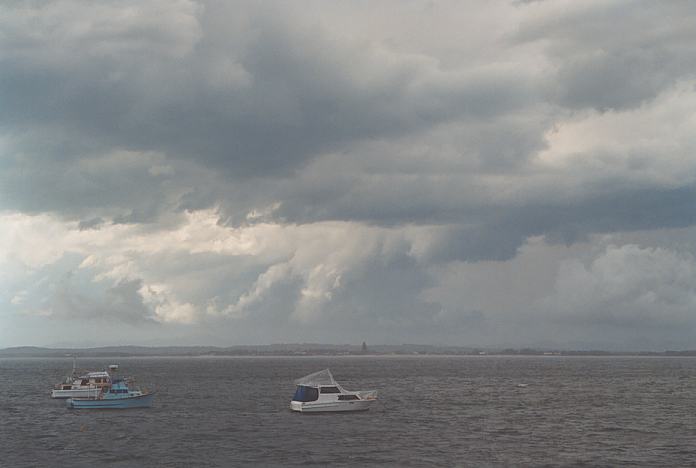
{"x": 120, "y": 395}
{"x": 319, "y": 392}
{"x": 86, "y": 385}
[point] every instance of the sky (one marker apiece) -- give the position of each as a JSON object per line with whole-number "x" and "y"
{"x": 472, "y": 173}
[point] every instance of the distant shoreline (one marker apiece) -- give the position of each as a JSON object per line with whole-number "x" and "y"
{"x": 311, "y": 350}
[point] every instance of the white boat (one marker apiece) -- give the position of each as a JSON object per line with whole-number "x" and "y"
{"x": 319, "y": 392}
{"x": 121, "y": 395}
{"x": 88, "y": 385}
{"x": 83, "y": 386}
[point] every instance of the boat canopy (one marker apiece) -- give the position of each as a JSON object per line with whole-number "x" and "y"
{"x": 317, "y": 379}
{"x": 305, "y": 394}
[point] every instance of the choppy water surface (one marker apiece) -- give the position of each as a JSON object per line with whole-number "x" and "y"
{"x": 448, "y": 411}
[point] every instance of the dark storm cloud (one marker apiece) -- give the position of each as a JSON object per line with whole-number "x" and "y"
{"x": 193, "y": 112}
{"x": 499, "y": 236}
{"x": 616, "y": 55}
{"x": 119, "y": 187}
{"x": 286, "y": 94}
{"x": 260, "y": 101}
{"x": 343, "y": 154}
{"x": 93, "y": 223}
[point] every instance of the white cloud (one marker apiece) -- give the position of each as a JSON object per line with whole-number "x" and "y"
{"x": 627, "y": 148}
{"x": 628, "y": 285}
{"x": 262, "y": 286}
{"x": 315, "y": 256}
{"x": 19, "y": 298}
{"x": 166, "y": 308}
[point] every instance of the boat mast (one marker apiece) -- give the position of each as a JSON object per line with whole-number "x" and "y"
{"x": 74, "y": 365}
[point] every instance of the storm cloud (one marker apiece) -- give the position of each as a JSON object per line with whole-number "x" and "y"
{"x": 287, "y": 171}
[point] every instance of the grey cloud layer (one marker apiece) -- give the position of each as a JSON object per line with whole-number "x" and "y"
{"x": 615, "y": 55}
{"x": 264, "y": 93}
{"x": 258, "y": 101}
{"x": 479, "y": 125}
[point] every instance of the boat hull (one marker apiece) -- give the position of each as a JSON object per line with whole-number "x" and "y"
{"x": 76, "y": 393}
{"x": 331, "y": 407}
{"x": 141, "y": 401}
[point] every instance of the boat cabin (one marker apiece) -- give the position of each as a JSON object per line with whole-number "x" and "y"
{"x": 97, "y": 379}
{"x": 306, "y": 393}
{"x": 320, "y": 392}
{"x": 120, "y": 388}
{"x": 121, "y": 394}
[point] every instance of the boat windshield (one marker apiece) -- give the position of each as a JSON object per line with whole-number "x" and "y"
{"x": 304, "y": 394}
{"x": 330, "y": 390}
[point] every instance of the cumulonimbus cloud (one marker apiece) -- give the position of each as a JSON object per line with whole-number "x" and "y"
{"x": 205, "y": 162}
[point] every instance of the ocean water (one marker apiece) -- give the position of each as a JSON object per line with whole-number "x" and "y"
{"x": 433, "y": 411}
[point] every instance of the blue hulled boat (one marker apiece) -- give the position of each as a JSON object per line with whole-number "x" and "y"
{"x": 118, "y": 396}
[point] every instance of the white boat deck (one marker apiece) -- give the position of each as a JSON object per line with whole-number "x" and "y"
{"x": 319, "y": 392}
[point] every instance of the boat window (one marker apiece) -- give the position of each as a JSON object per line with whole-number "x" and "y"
{"x": 330, "y": 390}
{"x": 348, "y": 397}
{"x": 84, "y": 382}
{"x": 305, "y": 394}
